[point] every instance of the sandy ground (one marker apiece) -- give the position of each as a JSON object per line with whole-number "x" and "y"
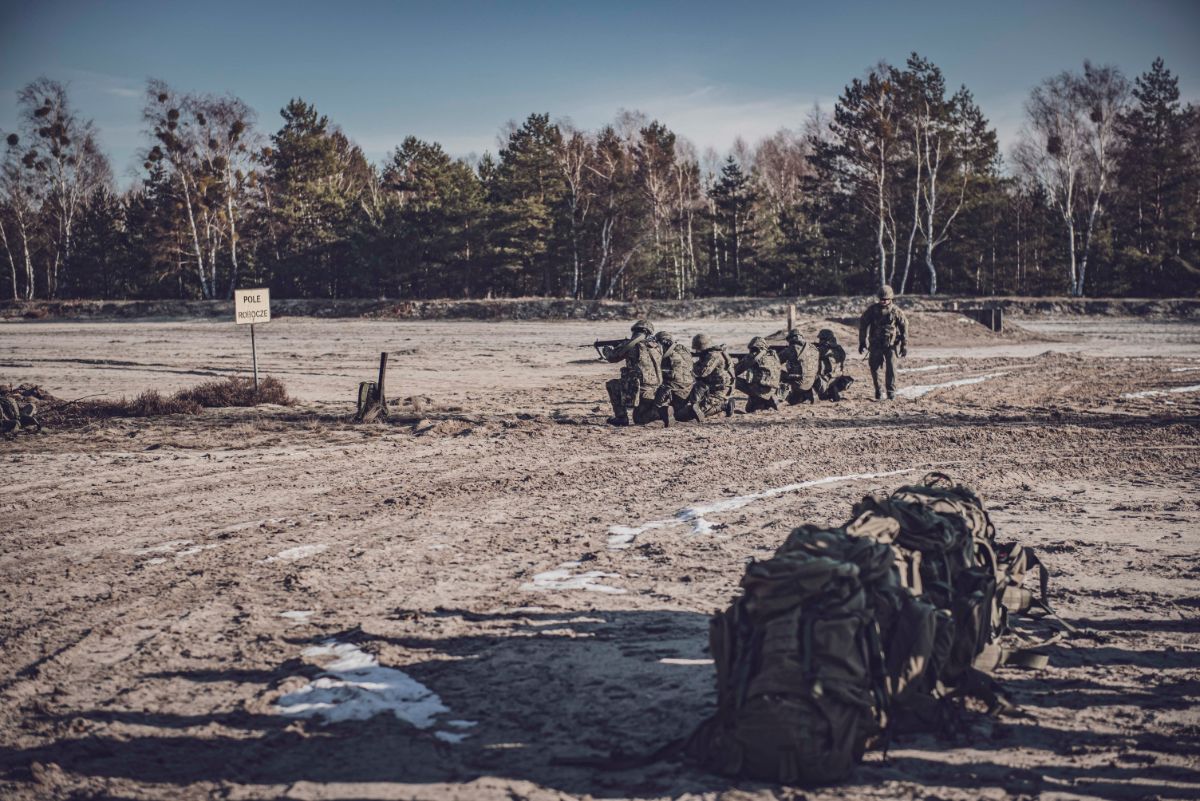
{"x": 187, "y": 604}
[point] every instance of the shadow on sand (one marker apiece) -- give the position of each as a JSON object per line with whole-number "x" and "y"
{"x": 544, "y": 685}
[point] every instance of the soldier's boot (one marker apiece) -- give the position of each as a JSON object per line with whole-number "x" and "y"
{"x": 664, "y": 414}
{"x": 619, "y": 420}
{"x": 728, "y": 408}
{"x": 891, "y": 396}
{"x": 878, "y": 394}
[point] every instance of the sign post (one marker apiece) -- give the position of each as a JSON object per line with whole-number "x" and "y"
{"x": 251, "y": 306}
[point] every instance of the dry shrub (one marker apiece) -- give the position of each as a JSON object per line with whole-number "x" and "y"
{"x": 149, "y": 404}
{"x": 232, "y": 391}
{"x": 236, "y": 391}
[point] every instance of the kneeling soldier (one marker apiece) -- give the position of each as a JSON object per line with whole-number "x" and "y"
{"x": 712, "y": 390}
{"x": 800, "y": 366}
{"x": 640, "y": 377}
{"x": 676, "y": 377}
{"x": 761, "y": 369}
{"x": 831, "y": 364}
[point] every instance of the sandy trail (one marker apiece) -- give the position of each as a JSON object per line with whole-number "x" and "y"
{"x": 152, "y": 622}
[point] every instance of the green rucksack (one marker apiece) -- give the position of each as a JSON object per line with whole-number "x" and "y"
{"x": 847, "y": 634}
{"x": 797, "y": 664}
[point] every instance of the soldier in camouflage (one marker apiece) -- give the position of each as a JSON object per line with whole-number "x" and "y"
{"x": 800, "y": 369}
{"x": 676, "y": 384}
{"x": 640, "y": 377}
{"x": 883, "y": 331}
{"x": 712, "y": 390}
{"x": 831, "y": 380}
{"x": 16, "y": 412}
{"x": 758, "y": 376}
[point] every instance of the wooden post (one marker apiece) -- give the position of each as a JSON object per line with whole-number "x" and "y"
{"x": 791, "y": 316}
{"x": 254, "y": 359}
{"x": 379, "y": 384}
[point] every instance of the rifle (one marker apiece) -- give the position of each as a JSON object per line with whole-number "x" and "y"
{"x": 612, "y": 343}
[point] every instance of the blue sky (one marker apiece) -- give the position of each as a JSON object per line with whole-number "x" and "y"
{"x": 456, "y": 72}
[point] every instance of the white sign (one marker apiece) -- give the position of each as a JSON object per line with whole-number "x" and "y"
{"x": 252, "y": 306}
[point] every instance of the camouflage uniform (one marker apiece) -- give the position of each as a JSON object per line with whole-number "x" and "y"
{"x": 762, "y": 371}
{"x": 831, "y": 380}
{"x": 640, "y": 377}
{"x": 676, "y": 374}
{"x": 712, "y": 390}
{"x": 884, "y": 331}
{"x": 800, "y": 366}
{"x": 18, "y": 412}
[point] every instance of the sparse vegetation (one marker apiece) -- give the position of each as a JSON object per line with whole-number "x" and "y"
{"x": 224, "y": 392}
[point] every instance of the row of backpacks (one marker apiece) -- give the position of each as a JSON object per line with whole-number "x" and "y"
{"x": 848, "y": 635}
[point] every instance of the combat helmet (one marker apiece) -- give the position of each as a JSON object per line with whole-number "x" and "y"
{"x": 643, "y": 327}
{"x": 665, "y": 339}
{"x": 826, "y": 335}
{"x": 758, "y": 343}
{"x": 795, "y": 337}
{"x": 886, "y": 292}
{"x": 701, "y": 343}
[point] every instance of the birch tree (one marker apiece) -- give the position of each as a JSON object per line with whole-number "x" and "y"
{"x": 66, "y": 160}
{"x": 1068, "y": 146}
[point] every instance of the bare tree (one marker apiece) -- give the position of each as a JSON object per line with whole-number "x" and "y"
{"x": 574, "y": 156}
{"x": 1067, "y": 146}
{"x": 206, "y": 144}
{"x": 67, "y": 160}
{"x": 20, "y": 199}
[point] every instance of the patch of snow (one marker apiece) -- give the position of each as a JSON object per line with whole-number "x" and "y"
{"x": 621, "y": 537}
{"x": 166, "y": 547}
{"x": 924, "y": 389}
{"x": 158, "y": 560}
{"x": 195, "y": 549}
{"x": 926, "y": 369}
{"x": 1184, "y": 369}
{"x": 355, "y": 687}
{"x": 670, "y": 660}
{"x": 562, "y": 578}
{"x": 462, "y": 724}
{"x": 299, "y": 552}
{"x": 1150, "y": 393}
{"x": 297, "y": 614}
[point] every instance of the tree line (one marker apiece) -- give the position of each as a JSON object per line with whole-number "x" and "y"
{"x": 902, "y": 183}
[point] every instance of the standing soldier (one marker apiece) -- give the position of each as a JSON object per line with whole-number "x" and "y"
{"x": 640, "y": 377}
{"x": 676, "y": 377}
{"x": 761, "y": 369}
{"x": 800, "y": 369}
{"x": 883, "y": 330}
{"x": 831, "y": 364}
{"x": 712, "y": 391}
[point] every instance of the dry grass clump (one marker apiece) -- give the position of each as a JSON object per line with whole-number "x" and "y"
{"x": 236, "y": 392}
{"x": 233, "y": 391}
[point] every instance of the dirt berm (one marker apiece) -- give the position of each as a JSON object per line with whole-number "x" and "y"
{"x": 564, "y": 309}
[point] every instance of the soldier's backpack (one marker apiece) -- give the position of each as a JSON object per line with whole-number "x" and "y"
{"x": 798, "y": 664}
{"x": 848, "y": 633}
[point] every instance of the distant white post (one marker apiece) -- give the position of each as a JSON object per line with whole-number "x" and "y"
{"x": 251, "y": 306}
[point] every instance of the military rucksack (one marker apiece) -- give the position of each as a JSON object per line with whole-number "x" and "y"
{"x": 848, "y": 634}
{"x": 798, "y": 663}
